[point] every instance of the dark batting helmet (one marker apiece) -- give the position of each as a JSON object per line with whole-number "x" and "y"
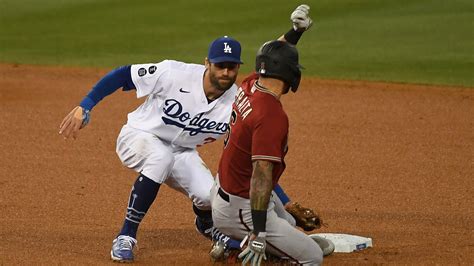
{"x": 277, "y": 59}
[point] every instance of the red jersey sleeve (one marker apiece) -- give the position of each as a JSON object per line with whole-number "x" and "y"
{"x": 270, "y": 135}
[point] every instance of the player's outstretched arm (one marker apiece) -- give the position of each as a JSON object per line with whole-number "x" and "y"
{"x": 79, "y": 116}
{"x": 301, "y": 23}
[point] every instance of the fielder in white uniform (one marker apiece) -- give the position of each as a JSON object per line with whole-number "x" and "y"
{"x": 160, "y": 137}
{"x": 187, "y": 105}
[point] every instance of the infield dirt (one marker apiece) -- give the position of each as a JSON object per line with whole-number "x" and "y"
{"x": 393, "y": 162}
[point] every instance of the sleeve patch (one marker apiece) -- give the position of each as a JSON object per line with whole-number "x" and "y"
{"x": 142, "y": 72}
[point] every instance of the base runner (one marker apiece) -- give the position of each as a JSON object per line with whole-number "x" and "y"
{"x": 243, "y": 204}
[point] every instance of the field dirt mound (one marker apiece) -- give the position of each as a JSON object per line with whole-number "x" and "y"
{"x": 393, "y": 162}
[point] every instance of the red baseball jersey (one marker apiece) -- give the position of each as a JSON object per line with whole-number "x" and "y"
{"x": 258, "y": 131}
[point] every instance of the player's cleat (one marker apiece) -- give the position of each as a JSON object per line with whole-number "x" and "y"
{"x": 122, "y": 248}
{"x": 326, "y": 245}
{"x": 217, "y": 252}
{"x": 221, "y": 252}
{"x": 222, "y": 246}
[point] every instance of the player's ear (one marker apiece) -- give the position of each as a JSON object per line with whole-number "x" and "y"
{"x": 207, "y": 63}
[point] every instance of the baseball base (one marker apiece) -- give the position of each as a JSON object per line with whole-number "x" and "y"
{"x": 346, "y": 243}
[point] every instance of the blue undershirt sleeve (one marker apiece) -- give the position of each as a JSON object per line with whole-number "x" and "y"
{"x": 120, "y": 77}
{"x": 281, "y": 194}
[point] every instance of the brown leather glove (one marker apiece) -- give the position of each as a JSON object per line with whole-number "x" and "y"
{"x": 305, "y": 218}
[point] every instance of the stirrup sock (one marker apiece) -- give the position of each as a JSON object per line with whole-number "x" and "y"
{"x": 203, "y": 221}
{"x": 227, "y": 240}
{"x": 143, "y": 194}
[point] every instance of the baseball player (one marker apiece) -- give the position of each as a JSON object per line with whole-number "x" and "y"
{"x": 243, "y": 205}
{"x": 187, "y": 105}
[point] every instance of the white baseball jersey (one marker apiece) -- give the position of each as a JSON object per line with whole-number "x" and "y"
{"x": 177, "y": 109}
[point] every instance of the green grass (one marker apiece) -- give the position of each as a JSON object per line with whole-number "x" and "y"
{"x": 418, "y": 41}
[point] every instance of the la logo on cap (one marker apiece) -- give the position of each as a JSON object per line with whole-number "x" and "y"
{"x": 224, "y": 49}
{"x": 227, "y": 48}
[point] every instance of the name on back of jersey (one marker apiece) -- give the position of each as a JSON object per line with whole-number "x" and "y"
{"x": 242, "y": 103}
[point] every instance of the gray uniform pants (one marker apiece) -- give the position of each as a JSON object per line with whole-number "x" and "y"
{"x": 232, "y": 216}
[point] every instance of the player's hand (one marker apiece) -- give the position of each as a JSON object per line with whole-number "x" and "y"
{"x": 75, "y": 120}
{"x": 300, "y": 18}
{"x": 255, "y": 250}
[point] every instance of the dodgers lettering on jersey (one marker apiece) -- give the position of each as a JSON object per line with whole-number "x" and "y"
{"x": 174, "y": 115}
{"x": 176, "y": 109}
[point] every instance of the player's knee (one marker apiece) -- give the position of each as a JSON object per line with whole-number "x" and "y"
{"x": 313, "y": 255}
{"x": 202, "y": 203}
{"x": 290, "y": 219}
{"x": 168, "y": 161}
{"x": 202, "y": 199}
{"x": 316, "y": 260}
{"x": 159, "y": 167}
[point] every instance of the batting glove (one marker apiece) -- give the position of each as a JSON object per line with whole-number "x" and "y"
{"x": 255, "y": 250}
{"x": 300, "y": 18}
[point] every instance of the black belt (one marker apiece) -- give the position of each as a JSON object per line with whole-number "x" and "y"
{"x": 223, "y": 195}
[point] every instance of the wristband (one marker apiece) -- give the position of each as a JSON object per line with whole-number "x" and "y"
{"x": 86, "y": 116}
{"x": 259, "y": 219}
{"x": 293, "y": 36}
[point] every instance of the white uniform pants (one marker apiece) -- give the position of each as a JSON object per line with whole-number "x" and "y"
{"x": 232, "y": 216}
{"x": 180, "y": 168}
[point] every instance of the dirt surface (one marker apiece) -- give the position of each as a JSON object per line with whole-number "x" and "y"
{"x": 393, "y": 162}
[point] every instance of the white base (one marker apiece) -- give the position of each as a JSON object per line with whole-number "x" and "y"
{"x": 347, "y": 243}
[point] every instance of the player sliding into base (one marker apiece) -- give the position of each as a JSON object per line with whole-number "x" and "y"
{"x": 187, "y": 105}
{"x": 243, "y": 204}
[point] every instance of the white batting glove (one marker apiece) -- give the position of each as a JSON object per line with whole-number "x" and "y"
{"x": 300, "y": 18}
{"x": 254, "y": 253}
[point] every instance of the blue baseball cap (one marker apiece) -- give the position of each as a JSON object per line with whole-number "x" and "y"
{"x": 224, "y": 49}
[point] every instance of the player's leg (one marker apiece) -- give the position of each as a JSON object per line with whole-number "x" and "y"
{"x": 326, "y": 245}
{"x": 153, "y": 159}
{"x": 287, "y": 242}
{"x": 226, "y": 212}
{"x": 142, "y": 195}
{"x": 232, "y": 216}
{"x": 191, "y": 176}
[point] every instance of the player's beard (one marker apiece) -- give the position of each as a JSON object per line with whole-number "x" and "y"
{"x": 222, "y": 84}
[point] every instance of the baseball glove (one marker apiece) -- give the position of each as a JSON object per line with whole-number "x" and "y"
{"x": 305, "y": 217}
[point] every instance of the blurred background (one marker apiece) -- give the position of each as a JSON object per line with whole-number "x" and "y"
{"x": 416, "y": 41}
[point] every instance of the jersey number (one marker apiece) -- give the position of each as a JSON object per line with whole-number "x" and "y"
{"x": 233, "y": 118}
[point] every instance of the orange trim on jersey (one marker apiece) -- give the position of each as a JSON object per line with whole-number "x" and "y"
{"x": 266, "y": 158}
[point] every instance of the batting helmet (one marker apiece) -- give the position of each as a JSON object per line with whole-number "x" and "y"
{"x": 277, "y": 59}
